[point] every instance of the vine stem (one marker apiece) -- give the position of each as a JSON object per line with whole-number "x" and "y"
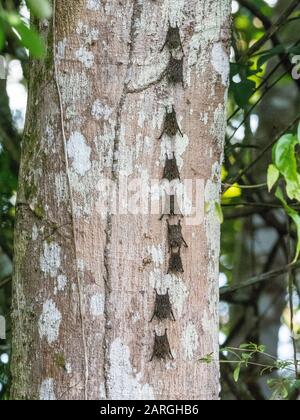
{"x": 5, "y": 282}
{"x": 244, "y": 187}
{"x": 80, "y": 296}
{"x": 237, "y": 362}
{"x": 272, "y": 30}
{"x": 264, "y": 151}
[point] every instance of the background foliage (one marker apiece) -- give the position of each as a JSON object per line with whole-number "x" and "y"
{"x": 259, "y": 281}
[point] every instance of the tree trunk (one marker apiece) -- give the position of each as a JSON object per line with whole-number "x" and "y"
{"x": 85, "y": 274}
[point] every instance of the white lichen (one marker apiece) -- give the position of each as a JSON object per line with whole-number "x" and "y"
{"x": 35, "y": 233}
{"x": 47, "y": 390}
{"x": 176, "y": 11}
{"x": 94, "y": 5}
{"x": 157, "y": 254}
{"x": 190, "y": 341}
{"x": 212, "y": 224}
{"x": 49, "y": 322}
{"x": 207, "y": 31}
{"x": 50, "y": 260}
{"x": 101, "y": 110}
{"x": 61, "y": 49}
{"x": 123, "y": 382}
{"x": 61, "y": 283}
{"x": 97, "y": 305}
{"x": 68, "y": 368}
{"x": 102, "y": 391}
{"x": 220, "y": 62}
{"x": 85, "y": 56}
{"x": 79, "y": 152}
{"x": 81, "y": 265}
{"x": 89, "y": 34}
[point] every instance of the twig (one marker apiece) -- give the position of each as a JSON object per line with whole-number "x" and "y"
{"x": 249, "y": 112}
{"x": 257, "y": 279}
{"x": 244, "y": 187}
{"x": 253, "y": 204}
{"x": 260, "y": 365}
{"x": 265, "y": 81}
{"x": 5, "y": 282}
{"x": 266, "y": 149}
{"x": 285, "y": 61}
{"x": 272, "y": 30}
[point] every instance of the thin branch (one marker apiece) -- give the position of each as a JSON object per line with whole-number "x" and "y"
{"x": 272, "y": 30}
{"x": 265, "y": 81}
{"x": 244, "y": 187}
{"x": 265, "y": 149}
{"x": 253, "y": 204}
{"x": 5, "y": 282}
{"x": 259, "y": 100}
{"x": 258, "y": 279}
{"x": 239, "y": 390}
{"x": 284, "y": 58}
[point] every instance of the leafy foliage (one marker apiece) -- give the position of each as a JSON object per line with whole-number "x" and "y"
{"x": 245, "y": 357}
{"x": 12, "y": 25}
{"x": 285, "y": 166}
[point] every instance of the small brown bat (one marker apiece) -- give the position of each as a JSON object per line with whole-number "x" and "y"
{"x": 163, "y": 308}
{"x": 175, "y": 71}
{"x": 171, "y": 126}
{"x": 175, "y": 262}
{"x": 171, "y": 171}
{"x": 161, "y": 349}
{"x": 173, "y": 38}
{"x": 176, "y": 239}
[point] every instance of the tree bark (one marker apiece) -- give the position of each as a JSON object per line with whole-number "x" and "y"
{"x": 84, "y": 274}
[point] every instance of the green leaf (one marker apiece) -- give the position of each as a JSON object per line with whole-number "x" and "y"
{"x": 248, "y": 346}
{"x": 261, "y": 348}
{"x": 12, "y": 18}
{"x": 285, "y": 161}
{"x": 207, "y": 359}
{"x": 40, "y": 8}
{"x": 267, "y": 55}
{"x": 2, "y": 36}
{"x": 31, "y": 40}
{"x": 272, "y": 177}
{"x": 298, "y": 133}
{"x": 219, "y": 212}
{"x": 236, "y": 373}
{"x": 243, "y": 91}
{"x": 294, "y": 216}
{"x": 284, "y": 156}
{"x": 280, "y": 388}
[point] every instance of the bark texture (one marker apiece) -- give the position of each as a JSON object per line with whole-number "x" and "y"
{"x": 84, "y": 277}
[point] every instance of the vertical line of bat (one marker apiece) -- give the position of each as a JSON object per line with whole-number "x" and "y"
{"x": 163, "y": 310}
